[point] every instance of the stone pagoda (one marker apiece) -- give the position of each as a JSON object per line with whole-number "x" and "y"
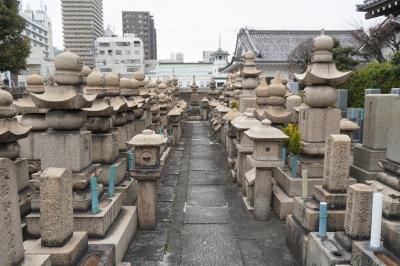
{"x": 154, "y": 106}
{"x": 194, "y": 99}
{"x": 212, "y": 92}
{"x": 261, "y": 99}
{"x": 250, "y": 81}
{"x": 70, "y": 147}
{"x": 34, "y": 117}
{"x": 129, "y": 89}
{"x": 143, "y": 99}
{"x": 317, "y": 120}
{"x": 276, "y": 111}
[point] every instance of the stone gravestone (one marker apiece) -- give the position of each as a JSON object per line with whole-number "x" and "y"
{"x": 11, "y": 248}
{"x": 372, "y": 91}
{"x": 356, "y": 115}
{"x": 342, "y": 101}
{"x": 395, "y": 91}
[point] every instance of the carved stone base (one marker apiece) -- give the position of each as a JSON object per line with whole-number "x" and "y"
{"x": 281, "y": 203}
{"x": 363, "y": 255}
{"x": 128, "y": 189}
{"x": 120, "y": 165}
{"x": 69, "y": 254}
{"x": 296, "y": 240}
{"x": 95, "y": 224}
{"x": 120, "y": 233}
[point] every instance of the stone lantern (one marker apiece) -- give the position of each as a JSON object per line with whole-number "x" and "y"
{"x": 204, "y": 108}
{"x": 174, "y": 117}
{"x": 244, "y": 145}
{"x": 230, "y": 136}
{"x": 147, "y": 171}
{"x": 265, "y": 157}
{"x": 222, "y": 111}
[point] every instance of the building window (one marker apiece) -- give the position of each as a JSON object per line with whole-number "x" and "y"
{"x": 104, "y": 62}
{"x": 136, "y": 44}
{"x": 118, "y": 52}
{"x": 123, "y": 43}
{"x": 104, "y": 44}
{"x": 110, "y": 52}
{"x": 202, "y": 84}
{"x": 105, "y": 69}
{"x": 102, "y": 52}
{"x": 132, "y": 69}
{"x": 127, "y": 52}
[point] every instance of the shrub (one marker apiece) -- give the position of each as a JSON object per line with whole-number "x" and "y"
{"x": 384, "y": 76}
{"x": 295, "y": 142}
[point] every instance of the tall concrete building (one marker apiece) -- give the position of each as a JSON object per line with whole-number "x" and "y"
{"x": 82, "y": 25}
{"x": 141, "y": 23}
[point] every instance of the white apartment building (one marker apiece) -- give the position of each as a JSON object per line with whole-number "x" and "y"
{"x": 39, "y": 31}
{"x": 119, "y": 55}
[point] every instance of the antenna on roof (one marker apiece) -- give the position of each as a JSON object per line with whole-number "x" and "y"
{"x": 219, "y": 35}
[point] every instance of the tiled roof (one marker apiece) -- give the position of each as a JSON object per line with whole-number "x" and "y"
{"x": 273, "y": 46}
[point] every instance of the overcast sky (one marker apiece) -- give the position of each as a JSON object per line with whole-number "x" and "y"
{"x": 191, "y": 26}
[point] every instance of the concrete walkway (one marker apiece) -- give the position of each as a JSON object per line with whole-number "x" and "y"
{"x": 202, "y": 219}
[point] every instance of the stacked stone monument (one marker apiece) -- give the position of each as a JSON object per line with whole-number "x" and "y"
{"x": 378, "y": 109}
{"x": 154, "y": 107}
{"x": 316, "y": 122}
{"x": 69, "y": 146}
{"x": 333, "y": 192}
{"x": 244, "y": 145}
{"x": 388, "y": 183}
{"x": 230, "y": 135}
{"x": 250, "y": 81}
{"x": 276, "y": 111}
{"x": 265, "y": 157}
{"x": 213, "y": 92}
{"x": 262, "y": 96}
{"x": 30, "y": 146}
{"x": 128, "y": 91}
{"x": 141, "y": 116}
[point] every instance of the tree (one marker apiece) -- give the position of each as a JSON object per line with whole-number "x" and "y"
{"x": 378, "y": 37}
{"x": 14, "y": 48}
{"x": 345, "y": 57}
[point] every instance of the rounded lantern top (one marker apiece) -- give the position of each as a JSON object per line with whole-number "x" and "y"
{"x": 34, "y": 80}
{"x": 265, "y": 132}
{"x": 95, "y": 79}
{"x": 162, "y": 85}
{"x": 249, "y": 55}
{"x": 276, "y": 88}
{"x": 85, "y": 71}
{"x": 112, "y": 80}
{"x": 245, "y": 121}
{"x": 68, "y": 61}
{"x": 147, "y": 138}
{"x": 125, "y": 83}
{"x": 6, "y": 98}
{"x": 323, "y": 42}
{"x": 139, "y": 76}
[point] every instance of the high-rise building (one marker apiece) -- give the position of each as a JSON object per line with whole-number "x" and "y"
{"x": 38, "y": 29}
{"x": 82, "y": 24}
{"x": 180, "y": 57}
{"x": 141, "y": 23}
{"x": 120, "y": 55}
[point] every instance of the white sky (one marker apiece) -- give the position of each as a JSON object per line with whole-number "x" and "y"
{"x": 191, "y": 26}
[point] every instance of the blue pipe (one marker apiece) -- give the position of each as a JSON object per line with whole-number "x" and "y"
{"x": 111, "y": 180}
{"x": 94, "y": 195}
{"x": 323, "y": 219}
{"x": 131, "y": 161}
{"x": 295, "y": 158}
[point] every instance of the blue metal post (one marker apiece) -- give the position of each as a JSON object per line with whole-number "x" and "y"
{"x": 131, "y": 161}
{"x": 94, "y": 195}
{"x": 111, "y": 180}
{"x": 295, "y": 158}
{"x": 323, "y": 219}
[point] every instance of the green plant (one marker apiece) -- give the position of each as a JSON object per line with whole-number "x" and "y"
{"x": 384, "y": 76}
{"x": 234, "y": 105}
{"x": 13, "y": 46}
{"x": 288, "y": 132}
{"x": 295, "y": 142}
{"x": 395, "y": 59}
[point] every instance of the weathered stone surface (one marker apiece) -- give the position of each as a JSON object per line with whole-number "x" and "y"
{"x": 367, "y": 158}
{"x": 56, "y": 207}
{"x": 334, "y": 200}
{"x": 361, "y": 174}
{"x": 378, "y": 119}
{"x": 357, "y": 223}
{"x": 336, "y": 163}
{"x": 66, "y": 149}
{"x": 122, "y": 137}
{"x": 36, "y": 260}
{"x": 121, "y": 232}
{"x": 391, "y": 199}
{"x": 313, "y": 165}
{"x": 31, "y": 145}
{"x": 316, "y": 124}
{"x": 363, "y": 255}
{"x": 21, "y": 169}
{"x": 292, "y": 186}
{"x": 393, "y": 150}
{"x": 11, "y": 248}
{"x": 391, "y": 236}
{"x": 105, "y": 147}
{"x": 296, "y": 240}
{"x": 68, "y": 254}
{"x": 306, "y": 213}
{"x": 120, "y": 172}
{"x": 281, "y": 203}
{"x": 128, "y": 189}
{"x": 147, "y": 203}
{"x": 325, "y": 251}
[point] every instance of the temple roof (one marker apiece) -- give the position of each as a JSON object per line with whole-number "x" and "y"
{"x": 275, "y": 46}
{"x": 377, "y": 8}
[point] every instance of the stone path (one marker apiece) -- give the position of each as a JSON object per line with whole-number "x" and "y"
{"x": 201, "y": 217}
